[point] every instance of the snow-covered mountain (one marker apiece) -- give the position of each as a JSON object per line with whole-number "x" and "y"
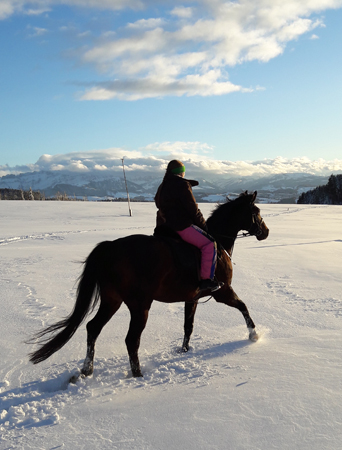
{"x": 142, "y": 185}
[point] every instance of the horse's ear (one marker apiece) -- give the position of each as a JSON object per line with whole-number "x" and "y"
{"x": 254, "y": 196}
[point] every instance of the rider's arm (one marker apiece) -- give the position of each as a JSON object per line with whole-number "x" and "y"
{"x": 189, "y": 203}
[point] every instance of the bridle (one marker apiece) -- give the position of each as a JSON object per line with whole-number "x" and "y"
{"x": 256, "y": 224}
{"x": 255, "y": 228}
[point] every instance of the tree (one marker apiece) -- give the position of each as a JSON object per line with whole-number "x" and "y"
{"x": 330, "y": 194}
{"x": 31, "y": 195}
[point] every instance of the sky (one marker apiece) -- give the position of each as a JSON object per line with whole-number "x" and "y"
{"x": 235, "y": 81}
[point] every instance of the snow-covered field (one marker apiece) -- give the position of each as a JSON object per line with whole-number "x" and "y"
{"x": 283, "y": 392}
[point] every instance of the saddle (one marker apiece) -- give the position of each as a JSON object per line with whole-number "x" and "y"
{"x": 186, "y": 256}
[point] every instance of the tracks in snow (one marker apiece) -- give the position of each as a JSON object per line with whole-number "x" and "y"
{"x": 60, "y": 235}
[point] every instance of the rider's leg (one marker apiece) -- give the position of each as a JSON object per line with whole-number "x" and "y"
{"x": 199, "y": 238}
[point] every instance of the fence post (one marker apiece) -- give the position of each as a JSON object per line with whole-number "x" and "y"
{"x": 129, "y": 203}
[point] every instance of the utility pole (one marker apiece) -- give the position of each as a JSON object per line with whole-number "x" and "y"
{"x": 129, "y": 204}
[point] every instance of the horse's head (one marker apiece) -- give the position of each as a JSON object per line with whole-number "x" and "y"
{"x": 257, "y": 226}
{"x": 237, "y": 215}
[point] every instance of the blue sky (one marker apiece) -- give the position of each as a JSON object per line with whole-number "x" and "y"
{"x": 238, "y": 81}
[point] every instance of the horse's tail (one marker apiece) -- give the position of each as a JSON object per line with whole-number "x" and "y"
{"x": 88, "y": 294}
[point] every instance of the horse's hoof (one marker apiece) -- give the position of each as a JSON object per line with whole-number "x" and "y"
{"x": 76, "y": 377}
{"x": 137, "y": 374}
{"x": 136, "y": 371}
{"x": 185, "y": 346}
{"x": 253, "y": 335}
{"x": 73, "y": 379}
{"x": 87, "y": 371}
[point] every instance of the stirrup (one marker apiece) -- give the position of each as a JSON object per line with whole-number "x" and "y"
{"x": 219, "y": 285}
{"x": 210, "y": 285}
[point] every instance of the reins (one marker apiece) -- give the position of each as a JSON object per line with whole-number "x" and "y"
{"x": 225, "y": 236}
{"x": 205, "y": 301}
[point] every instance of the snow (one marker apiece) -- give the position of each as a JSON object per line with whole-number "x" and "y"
{"x": 283, "y": 392}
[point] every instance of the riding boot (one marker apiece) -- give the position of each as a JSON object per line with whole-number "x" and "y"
{"x": 211, "y": 285}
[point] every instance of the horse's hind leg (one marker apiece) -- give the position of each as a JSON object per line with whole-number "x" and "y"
{"x": 227, "y": 296}
{"x": 110, "y": 303}
{"x": 139, "y": 316}
{"x": 189, "y": 316}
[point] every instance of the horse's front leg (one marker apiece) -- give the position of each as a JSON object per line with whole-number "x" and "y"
{"x": 137, "y": 324}
{"x": 227, "y": 296}
{"x": 189, "y": 316}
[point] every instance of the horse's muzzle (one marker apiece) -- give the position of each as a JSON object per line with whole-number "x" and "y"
{"x": 264, "y": 232}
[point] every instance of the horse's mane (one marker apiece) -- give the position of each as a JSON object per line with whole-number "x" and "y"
{"x": 223, "y": 209}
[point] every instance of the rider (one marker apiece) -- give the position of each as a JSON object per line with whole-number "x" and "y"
{"x": 178, "y": 210}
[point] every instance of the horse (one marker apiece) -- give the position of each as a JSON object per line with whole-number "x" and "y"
{"x": 138, "y": 269}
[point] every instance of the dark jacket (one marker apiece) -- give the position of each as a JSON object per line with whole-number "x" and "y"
{"x": 177, "y": 206}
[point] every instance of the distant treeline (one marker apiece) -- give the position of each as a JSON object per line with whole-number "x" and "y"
{"x": 20, "y": 194}
{"x": 330, "y": 194}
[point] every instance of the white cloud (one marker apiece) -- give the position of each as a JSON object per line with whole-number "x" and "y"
{"x": 183, "y": 12}
{"x": 151, "y": 63}
{"x": 100, "y": 167}
{"x": 7, "y": 8}
{"x": 56, "y": 167}
{"x": 188, "y": 50}
{"x": 84, "y": 34}
{"x": 37, "y": 31}
{"x": 153, "y": 159}
{"x": 150, "y": 42}
{"x": 146, "y": 23}
{"x": 179, "y": 147}
{"x": 37, "y": 11}
{"x": 76, "y": 166}
{"x": 208, "y": 84}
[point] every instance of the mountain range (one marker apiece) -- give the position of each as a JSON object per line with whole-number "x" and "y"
{"x": 142, "y": 185}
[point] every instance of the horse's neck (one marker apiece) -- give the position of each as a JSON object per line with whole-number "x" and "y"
{"x": 228, "y": 245}
{"x": 226, "y": 238}
{"x": 223, "y": 227}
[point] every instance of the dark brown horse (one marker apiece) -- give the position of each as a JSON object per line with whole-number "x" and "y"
{"x": 139, "y": 269}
